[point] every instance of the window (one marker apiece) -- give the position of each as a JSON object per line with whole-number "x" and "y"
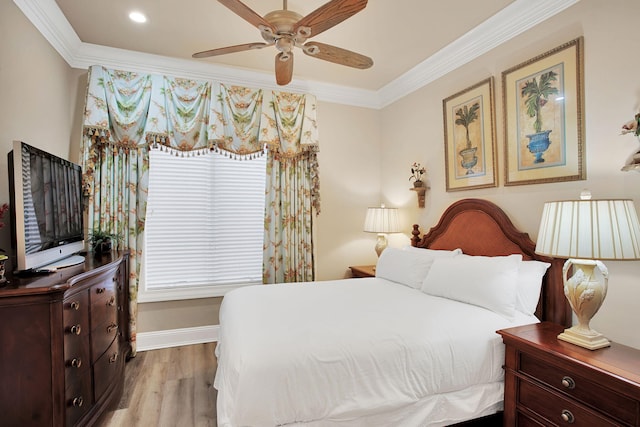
{"x": 204, "y": 225}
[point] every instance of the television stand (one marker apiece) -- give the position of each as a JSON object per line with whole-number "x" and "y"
{"x": 65, "y": 338}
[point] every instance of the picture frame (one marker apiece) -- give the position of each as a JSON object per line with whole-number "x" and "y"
{"x": 470, "y": 137}
{"x": 543, "y": 102}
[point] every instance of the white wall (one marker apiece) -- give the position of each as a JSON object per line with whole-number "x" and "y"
{"x": 37, "y": 96}
{"x": 349, "y": 158}
{"x": 413, "y": 131}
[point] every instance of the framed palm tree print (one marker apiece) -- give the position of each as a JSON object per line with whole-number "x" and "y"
{"x": 469, "y": 137}
{"x": 544, "y": 117}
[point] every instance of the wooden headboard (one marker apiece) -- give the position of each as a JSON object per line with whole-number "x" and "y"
{"x": 480, "y": 227}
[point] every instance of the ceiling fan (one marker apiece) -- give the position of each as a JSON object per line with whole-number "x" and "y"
{"x": 287, "y": 29}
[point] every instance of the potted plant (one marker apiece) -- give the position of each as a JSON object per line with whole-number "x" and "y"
{"x": 537, "y": 95}
{"x": 417, "y": 170}
{"x": 101, "y": 241}
{"x": 466, "y": 116}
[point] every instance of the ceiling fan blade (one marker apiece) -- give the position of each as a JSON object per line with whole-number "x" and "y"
{"x": 229, "y": 49}
{"x": 246, "y": 13}
{"x": 328, "y": 15}
{"x": 284, "y": 68}
{"x": 337, "y": 55}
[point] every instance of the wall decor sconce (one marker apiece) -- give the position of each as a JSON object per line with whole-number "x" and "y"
{"x": 421, "y": 190}
{"x": 381, "y": 220}
{"x": 419, "y": 186}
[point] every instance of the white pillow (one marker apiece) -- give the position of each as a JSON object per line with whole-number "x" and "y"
{"x": 530, "y": 277}
{"x": 436, "y": 252}
{"x": 488, "y": 282}
{"x": 407, "y": 267}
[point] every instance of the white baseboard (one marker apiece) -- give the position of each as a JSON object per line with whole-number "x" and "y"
{"x": 176, "y": 337}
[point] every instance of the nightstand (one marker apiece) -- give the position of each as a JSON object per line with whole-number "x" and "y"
{"x": 363, "y": 271}
{"x": 549, "y": 382}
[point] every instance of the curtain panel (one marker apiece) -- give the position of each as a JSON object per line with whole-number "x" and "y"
{"x": 293, "y": 191}
{"x": 128, "y": 112}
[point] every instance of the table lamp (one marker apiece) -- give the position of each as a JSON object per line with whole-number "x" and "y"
{"x": 587, "y": 231}
{"x": 381, "y": 220}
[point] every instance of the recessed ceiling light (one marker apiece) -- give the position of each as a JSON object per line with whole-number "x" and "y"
{"x": 137, "y": 17}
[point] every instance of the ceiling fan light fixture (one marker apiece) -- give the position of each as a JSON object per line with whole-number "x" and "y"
{"x": 284, "y": 44}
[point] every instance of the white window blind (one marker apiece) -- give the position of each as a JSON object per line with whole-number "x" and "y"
{"x": 205, "y": 221}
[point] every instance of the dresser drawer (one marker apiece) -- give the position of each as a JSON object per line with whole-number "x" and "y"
{"x": 556, "y": 409}
{"x": 77, "y": 368}
{"x": 102, "y": 336}
{"x": 75, "y": 309}
{"x": 569, "y": 382}
{"x": 78, "y": 397}
{"x": 524, "y": 421}
{"x": 104, "y": 309}
{"x": 106, "y": 369}
{"x": 104, "y": 313}
{"x": 103, "y": 298}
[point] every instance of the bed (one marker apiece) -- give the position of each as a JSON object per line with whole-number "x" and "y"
{"x": 414, "y": 346}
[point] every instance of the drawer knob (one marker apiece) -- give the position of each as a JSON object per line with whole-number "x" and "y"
{"x": 112, "y": 327}
{"x": 76, "y": 362}
{"x": 75, "y": 305}
{"x": 75, "y": 329}
{"x": 567, "y": 416}
{"x": 112, "y": 302}
{"x": 568, "y": 382}
{"x": 100, "y": 290}
{"x": 113, "y": 358}
{"x": 77, "y": 401}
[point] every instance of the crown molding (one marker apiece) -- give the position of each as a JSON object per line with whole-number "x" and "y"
{"x": 511, "y": 21}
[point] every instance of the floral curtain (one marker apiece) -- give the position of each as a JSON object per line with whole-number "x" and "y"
{"x": 127, "y": 112}
{"x": 115, "y": 162}
{"x": 235, "y": 120}
{"x": 292, "y": 193}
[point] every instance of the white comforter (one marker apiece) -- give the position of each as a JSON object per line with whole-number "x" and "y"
{"x": 357, "y": 352}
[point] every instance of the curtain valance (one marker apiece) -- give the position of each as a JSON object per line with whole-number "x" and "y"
{"x": 130, "y": 110}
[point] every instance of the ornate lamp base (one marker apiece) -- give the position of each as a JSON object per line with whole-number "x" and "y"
{"x": 381, "y": 243}
{"x": 588, "y": 339}
{"x": 586, "y": 295}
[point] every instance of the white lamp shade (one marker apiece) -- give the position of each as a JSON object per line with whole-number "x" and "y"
{"x": 590, "y": 229}
{"x": 382, "y": 220}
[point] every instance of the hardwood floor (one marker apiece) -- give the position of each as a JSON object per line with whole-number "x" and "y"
{"x": 168, "y": 387}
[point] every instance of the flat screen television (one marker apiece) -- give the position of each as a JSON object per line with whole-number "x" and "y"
{"x": 45, "y": 192}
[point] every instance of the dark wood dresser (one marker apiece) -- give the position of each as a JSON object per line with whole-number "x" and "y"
{"x": 549, "y": 382}
{"x": 63, "y": 343}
